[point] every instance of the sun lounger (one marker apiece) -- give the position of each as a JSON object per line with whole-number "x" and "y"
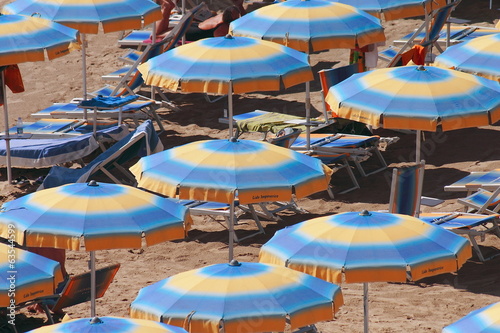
{"x": 357, "y": 147}
{"x": 473, "y": 181}
{"x": 471, "y": 225}
{"x": 62, "y": 128}
{"x": 76, "y": 291}
{"x": 141, "y": 142}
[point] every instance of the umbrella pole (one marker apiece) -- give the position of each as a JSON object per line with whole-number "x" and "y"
{"x": 84, "y": 66}
{"x": 418, "y": 142}
{"x": 308, "y": 116}
{"x": 92, "y": 284}
{"x": 230, "y": 108}
{"x": 231, "y": 230}
{"x": 365, "y": 306}
{"x": 6, "y": 122}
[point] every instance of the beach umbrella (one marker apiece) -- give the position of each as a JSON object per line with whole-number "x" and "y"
{"x": 395, "y": 9}
{"x": 226, "y": 170}
{"x": 109, "y": 324}
{"x": 238, "y": 297}
{"x": 417, "y": 98}
{"x": 25, "y": 276}
{"x": 367, "y": 247}
{"x": 227, "y": 65}
{"x": 21, "y": 41}
{"x": 484, "y": 320}
{"x": 479, "y": 56}
{"x": 88, "y": 15}
{"x": 310, "y": 26}
{"x": 93, "y": 216}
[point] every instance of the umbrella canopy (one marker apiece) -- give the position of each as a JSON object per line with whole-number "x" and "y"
{"x": 31, "y": 275}
{"x": 394, "y": 9}
{"x": 97, "y": 216}
{"x": 417, "y": 98}
{"x": 109, "y": 324}
{"x": 227, "y": 65}
{"x": 311, "y": 25}
{"x": 367, "y": 247}
{"x": 479, "y": 56}
{"x": 24, "y": 39}
{"x": 86, "y": 15}
{"x": 225, "y": 170}
{"x": 484, "y": 320}
{"x": 241, "y": 297}
{"x": 102, "y": 216}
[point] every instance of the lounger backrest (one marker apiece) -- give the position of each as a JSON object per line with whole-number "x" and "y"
{"x": 332, "y": 76}
{"x": 77, "y": 290}
{"x": 406, "y": 189}
{"x": 167, "y": 43}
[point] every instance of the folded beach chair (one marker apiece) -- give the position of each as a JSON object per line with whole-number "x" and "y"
{"x": 418, "y": 53}
{"x": 329, "y": 78}
{"x": 141, "y": 142}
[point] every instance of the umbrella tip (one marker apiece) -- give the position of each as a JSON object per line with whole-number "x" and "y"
{"x": 92, "y": 183}
{"x": 233, "y": 139}
{"x": 234, "y": 262}
{"x": 229, "y": 36}
{"x": 421, "y": 68}
{"x": 364, "y": 212}
{"x": 95, "y": 320}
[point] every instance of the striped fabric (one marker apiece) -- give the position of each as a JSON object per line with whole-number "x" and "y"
{"x": 103, "y": 216}
{"x": 367, "y": 247}
{"x": 34, "y": 276}
{"x": 221, "y": 170}
{"x": 86, "y": 15}
{"x": 208, "y": 65}
{"x": 109, "y": 324}
{"x": 480, "y": 56}
{"x": 395, "y": 9}
{"x": 241, "y": 297}
{"x": 417, "y": 98}
{"x": 310, "y": 25}
{"x": 25, "y": 39}
{"x": 406, "y": 196}
{"x": 486, "y": 319}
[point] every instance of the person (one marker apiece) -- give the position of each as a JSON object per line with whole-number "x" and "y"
{"x": 163, "y": 25}
{"x": 218, "y": 25}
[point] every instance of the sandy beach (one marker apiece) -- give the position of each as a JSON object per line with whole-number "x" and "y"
{"x": 423, "y": 306}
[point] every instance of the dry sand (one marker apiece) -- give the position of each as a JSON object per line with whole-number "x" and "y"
{"x": 425, "y": 306}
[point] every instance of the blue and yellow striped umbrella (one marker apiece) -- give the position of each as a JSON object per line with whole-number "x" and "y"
{"x": 479, "y": 56}
{"x": 417, "y": 98}
{"x": 239, "y": 297}
{"x": 109, "y": 324}
{"x": 225, "y": 170}
{"x": 96, "y": 215}
{"x": 210, "y": 64}
{"x": 87, "y": 15}
{"x": 367, "y": 247}
{"x": 395, "y": 9}
{"x": 311, "y": 25}
{"x": 25, "y": 276}
{"x": 25, "y": 39}
{"x": 484, "y": 320}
